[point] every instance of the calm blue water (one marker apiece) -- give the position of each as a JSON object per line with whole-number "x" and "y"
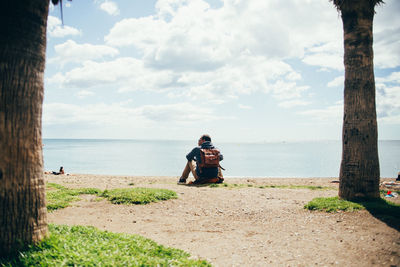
{"x": 167, "y": 158}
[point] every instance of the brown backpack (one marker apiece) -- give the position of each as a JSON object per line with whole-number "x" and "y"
{"x": 209, "y": 158}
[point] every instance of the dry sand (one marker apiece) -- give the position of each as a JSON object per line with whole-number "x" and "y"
{"x": 245, "y": 226}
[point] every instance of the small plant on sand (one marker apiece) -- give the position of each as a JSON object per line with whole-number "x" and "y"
{"x": 379, "y": 207}
{"x": 59, "y": 197}
{"x": 138, "y": 195}
{"x": 88, "y": 246}
{"x": 332, "y": 204}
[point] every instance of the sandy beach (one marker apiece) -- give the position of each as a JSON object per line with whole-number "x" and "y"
{"x": 243, "y": 226}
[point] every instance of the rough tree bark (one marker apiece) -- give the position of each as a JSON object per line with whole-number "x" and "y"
{"x": 359, "y": 170}
{"x": 22, "y": 62}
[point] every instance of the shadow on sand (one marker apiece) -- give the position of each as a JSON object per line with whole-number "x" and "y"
{"x": 384, "y": 211}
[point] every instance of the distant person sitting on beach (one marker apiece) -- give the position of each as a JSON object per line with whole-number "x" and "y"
{"x": 203, "y": 163}
{"x": 61, "y": 171}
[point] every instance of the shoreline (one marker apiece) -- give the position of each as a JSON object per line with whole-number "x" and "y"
{"x": 173, "y": 179}
{"x": 112, "y": 181}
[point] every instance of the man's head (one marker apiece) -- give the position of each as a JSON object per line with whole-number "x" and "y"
{"x": 204, "y": 138}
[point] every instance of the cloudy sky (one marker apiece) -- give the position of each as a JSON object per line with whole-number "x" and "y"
{"x": 240, "y": 70}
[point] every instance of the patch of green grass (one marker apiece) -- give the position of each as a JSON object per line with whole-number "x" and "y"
{"x": 59, "y": 197}
{"x": 88, "y": 246}
{"x": 376, "y": 207}
{"x": 53, "y": 186}
{"x": 87, "y": 191}
{"x": 227, "y": 185}
{"x": 332, "y": 204}
{"x": 138, "y": 195}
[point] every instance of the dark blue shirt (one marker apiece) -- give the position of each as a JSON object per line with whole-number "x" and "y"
{"x": 195, "y": 155}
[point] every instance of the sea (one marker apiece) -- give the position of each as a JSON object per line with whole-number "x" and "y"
{"x": 167, "y": 158}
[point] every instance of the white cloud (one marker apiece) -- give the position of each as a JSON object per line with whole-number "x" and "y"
{"x": 393, "y": 119}
{"x": 190, "y": 35}
{"x": 84, "y": 94}
{"x": 331, "y": 114}
{"x": 192, "y": 53}
{"x": 386, "y": 48}
{"x": 394, "y": 77}
{"x": 56, "y": 29}
{"x": 325, "y": 59}
{"x": 288, "y": 90}
{"x": 293, "y": 103}
{"x": 125, "y": 113}
{"x": 239, "y": 48}
{"x": 244, "y": 76}
{"x": 110, "y": 7}
{"x": 338, "y": 81}
{"x": 127, "y": 120}
{"x": 123, "y": 74}
{"x": 181, "y": 112}
{"x": 241, "y": 106}
{"x": 387, "y": 35}
{"x": 387, "y": 102}
{"x": 70, "y": 51}
{"x": 329, "y": 54}
{"x": 388, "y": 98}
{"x": 92, "y": 114}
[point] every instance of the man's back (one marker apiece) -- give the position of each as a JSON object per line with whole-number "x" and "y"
{"x": 195, "y": 154}
{"x": 207, "y": 168}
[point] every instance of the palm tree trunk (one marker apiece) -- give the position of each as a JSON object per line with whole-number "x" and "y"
{"x": 359, "y": 170}
{"x": 22, "y": 61}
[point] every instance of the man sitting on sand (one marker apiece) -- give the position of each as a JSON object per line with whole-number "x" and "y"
{"x": 203, "y": 162}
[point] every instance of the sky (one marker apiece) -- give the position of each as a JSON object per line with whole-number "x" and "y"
{"x": 239, "y": 70}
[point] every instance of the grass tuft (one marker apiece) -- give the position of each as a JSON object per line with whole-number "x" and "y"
{"x": 88, "y": 246}
{"x": 138, "y": 195}
{"x": 59, "y": 197}
{"x": 332, "y": 204}
{"x": 377, "y": 207}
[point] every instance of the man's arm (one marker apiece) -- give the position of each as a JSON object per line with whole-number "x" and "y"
{"x": 192, "y": 154}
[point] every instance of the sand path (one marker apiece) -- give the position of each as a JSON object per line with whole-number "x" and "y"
{"x": 245, "y": 226}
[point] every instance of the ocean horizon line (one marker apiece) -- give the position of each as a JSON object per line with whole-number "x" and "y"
{"x": 221, "y": 142}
